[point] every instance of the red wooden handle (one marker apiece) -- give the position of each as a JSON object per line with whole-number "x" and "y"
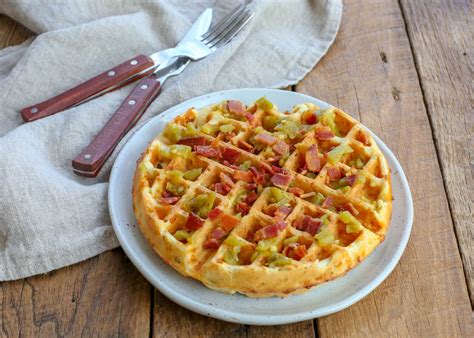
{"x": 91, "y": 159}
{"x": 86, "y": 89}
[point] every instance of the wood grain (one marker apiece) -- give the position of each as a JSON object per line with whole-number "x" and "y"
{"x": 103, "y": 296}
{"x": 370, "y": 73}
{"x": 12, "y": 33}
{"x": 441, "y": 37}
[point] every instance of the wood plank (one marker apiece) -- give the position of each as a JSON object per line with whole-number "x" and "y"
{"x": 441, "y": 37}
{"x": 370, "y": 73}
{"x": 171, "y": 320}
{"x": 103, "y": 296}
{"x": 12, "y": 33}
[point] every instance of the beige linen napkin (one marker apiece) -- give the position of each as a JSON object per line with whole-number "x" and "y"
{"x": 49, "y": 217}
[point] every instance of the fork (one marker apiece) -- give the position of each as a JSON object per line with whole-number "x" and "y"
{"x": 89, "y": 162}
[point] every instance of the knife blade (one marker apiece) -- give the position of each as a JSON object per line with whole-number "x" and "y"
{"x": 116, "y": 77}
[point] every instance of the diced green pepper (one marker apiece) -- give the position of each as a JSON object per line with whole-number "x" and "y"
{"x": 246, "y": 165}
{"x": 192, "y": 174}
{"x": 191, "y": 129}
{"x": 264, "y": 104}
{"x": 270, "y": 122}
{"x": 325, "y": 219}
{"x": 209, "y": 129}
{"x": 233, "y": 240}
{"x": 226, "y": 128}
{"x": 352, "y": 224}
{"x": 289, "y": 127}
{"x": 277, "y": 194}
{"x": 231, "y": 256}
{"x": 292, "y": 239}
{"x": 175, "y": 189}
{"x": 328, "y": 118}
{"x": 207, "y": 206}
{"x": 182, "y": 235}
{"x": 175, "y": 176}
{"x": 359, "y": 163}
{"x": 325, "y": 237}
{"x": 336, "y": 154}
{"x": 179, "y": 150}
{"x": 277, "y": 259}
{"x": 267, "y": 245}
{"x": 317, "y": 199}
{"x": 172, "y": 132}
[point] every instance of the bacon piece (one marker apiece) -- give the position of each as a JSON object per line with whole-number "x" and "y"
{"x": 273, "y": 159}
{"x": 266, "y": 139}
{"x": 295, "y": 251}
{"x": 243, "y": 208}
{"x": 214, "y": 213}
{"x": 270, "y": 209}
{"x": 236, "y": 107}
{"x": 241, "y": 175}
{"x": 269, "y": 231}
{"x": 296, "y": 191}
{"x": 266, "y": 167}
{"x": 281, "y": 148}
{"x": 206, "y": 151}
{"x": 282, "y": 212}
{"x": 230, "y": 155}
{"x": 211, "y": 243}
{"x": 228, "y": 222}
{"x": 280, "y": 180}
{"x": 327, "y": 202}
{"x": 226, "y": 180}
{"x": 324, "y": 133}
{"x": 193, "y": 141}
{"x": 252, "y": 120}
{"x": 169, "y": 200}
{"x": 311, "y": 118}
{"x": 167, "y": 194}
{"x": 308, "y": 224}
{"x": 251, "y": 186}
{"x": 245, "y": 254}
{"x": 251, "y": 197}
{"x": 258, "y": 176}
{"x": 334, "y": 173}
{"x": 217, "y": 233}
{"x": 193, "y": 222}
{"x": 233, "y": 166}
{"x": 245, "y": 145}
{"x": 350, "y": 179}
{"x": 221, "y": 188}
{"x": 313, "y": 162}
{"x": 349, "y": 207}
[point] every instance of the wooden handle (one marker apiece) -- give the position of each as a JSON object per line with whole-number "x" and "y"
{"x": 90, "y": 160}
{"x": 86, "y": 89}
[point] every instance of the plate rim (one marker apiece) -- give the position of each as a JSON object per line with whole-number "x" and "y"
{"x": 256, "y": 319}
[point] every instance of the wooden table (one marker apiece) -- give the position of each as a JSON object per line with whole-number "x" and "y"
{"x": 405, "y": 70}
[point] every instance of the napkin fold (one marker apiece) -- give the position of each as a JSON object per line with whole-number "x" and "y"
{"x": 49, "y": 217}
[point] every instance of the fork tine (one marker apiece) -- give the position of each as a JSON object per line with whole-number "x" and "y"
{"x": 222, "y": 24}
{"x": 234, "y": 30}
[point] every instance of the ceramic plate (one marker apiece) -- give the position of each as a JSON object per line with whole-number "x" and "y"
{"x": 319, "y": 301}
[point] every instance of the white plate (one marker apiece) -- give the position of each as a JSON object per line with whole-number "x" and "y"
{"x": 319, "y": 301}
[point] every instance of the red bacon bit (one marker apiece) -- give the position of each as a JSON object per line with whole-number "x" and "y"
{"x": 169, "y": 200}
{"x": 252, "y": 120}
{"x": 327, "y": 202}
{"x": 233, "y": 166}
{"x": 311, "y": 118}
{"x": 349, "y": 207}
{"x": 258, "y": 176}
{"x": 226, "y": 180}
{"x": 241, "y": 175}
{"x": 280, "y": 180}
{"x": 206, "y": 151}
{"x": 308, "y": 224}
{"x": 217, "y": 233}
{"x": 193, "y": 141}
{"x": 251, "y": 186}
{"x": 214, "y": 213}
{"x": 211, "y": 243}
{"x": 295, "y": 251}
{"x": 193, "y": 222}
{"x": 243, "y": 208}
{"x": 230, "y": 155}
{"x": 282, "y": 212}
{"x": 334, "y": 173}
{"x": 324, "y": 133}
{"x": 313, "y": 162}
{"x": 281, "y": 148}
{"x": 236, "y": 107}
{"x": 265, "y": 139}
{"x": 296, "y": 191}
{"x": 269, "y": 231}
{"x": 266, "y": 167}
{"x": 280, "y": 225}
{"x": 167, "y": 194}
{"x": 244, "y": 145}
{"x": 228, "y": 222}
{"x": 251, "y": 197}
{"x": 270, "y": 209}
{"x": 350, "y": 179}
{"x": 221, "y": 188}
{"x": 273, "y": 159}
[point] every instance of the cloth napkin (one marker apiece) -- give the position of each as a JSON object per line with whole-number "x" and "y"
{"x": 49, "y": 217}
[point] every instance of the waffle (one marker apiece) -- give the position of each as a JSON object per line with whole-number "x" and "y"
{"x": 266, "y": 203}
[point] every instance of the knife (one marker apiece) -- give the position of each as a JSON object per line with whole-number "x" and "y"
{"x": 116, "y": 77}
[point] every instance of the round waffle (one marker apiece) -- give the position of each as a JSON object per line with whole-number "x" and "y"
{"x": 260, "y": 202}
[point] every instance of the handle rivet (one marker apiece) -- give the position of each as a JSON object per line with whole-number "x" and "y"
{"x": 111, "y": 73}
{"x": 144, "y": 87}
{"x": 34, "y": 110}
{"x": 133, "y": 62}
{"x": 132, "y": 102}
{"x": 87, "y": 156}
